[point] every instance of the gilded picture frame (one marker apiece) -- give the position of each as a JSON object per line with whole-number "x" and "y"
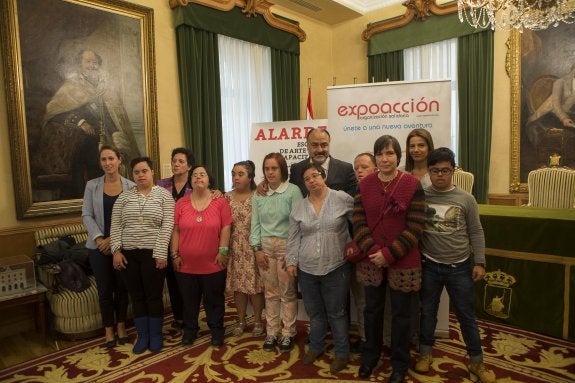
{"x": 541, "y": 68}
{"x": 79, "y": 74}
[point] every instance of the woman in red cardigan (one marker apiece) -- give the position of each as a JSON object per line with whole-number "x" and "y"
{"x": 388, "y": 220}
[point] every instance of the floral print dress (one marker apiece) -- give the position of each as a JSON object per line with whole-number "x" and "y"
{"x": 243, "y": 274}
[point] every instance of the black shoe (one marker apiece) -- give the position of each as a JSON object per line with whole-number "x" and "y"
{"x": 364, "y": 371}
{"x": 286, "y": 343}
{"x": 270, "y": 343}
{"x": 177, "y": 325}
{"x": 217, "y": 342}
{"x": 189, "y": 338}
{"x": 124, "y": 339}
{"x": 110, "y": 343}
{"x": 397, "y": 377}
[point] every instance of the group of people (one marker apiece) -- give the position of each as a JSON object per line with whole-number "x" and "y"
{"x": 418, "y": 233}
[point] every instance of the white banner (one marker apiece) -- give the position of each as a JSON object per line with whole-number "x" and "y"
{"x": 359, "y": 114}
{"x": 285, "y": 137}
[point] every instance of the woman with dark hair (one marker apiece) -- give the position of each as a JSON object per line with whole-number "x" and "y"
{"x": 179, "y": 186}
{"x": 318, "y": 233}
{"x": 243, "y": 274}
{"x": 99, "y": 197}
{"x": 388, "y": 221}
{"x": 142, "y": 222}
{"x": 419, "y": 144}
{"x": 269, "y": 233}
{"x": 199, "y": 251}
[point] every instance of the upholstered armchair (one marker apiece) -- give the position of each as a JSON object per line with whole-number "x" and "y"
{"x": 552, "y": 187}
{"x": 464, "y": 180}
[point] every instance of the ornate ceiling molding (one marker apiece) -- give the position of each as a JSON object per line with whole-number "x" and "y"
{"x": 249, "y": 8}
{"x": 416, "y": 10}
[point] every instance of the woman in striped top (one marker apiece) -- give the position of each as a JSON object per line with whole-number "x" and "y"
{"x": 142, "y": 223}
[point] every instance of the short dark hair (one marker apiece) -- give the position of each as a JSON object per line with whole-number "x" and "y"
{"x": 409, "y": 163}
{"x": 313, "y": 165}
{"x": 251, "y": 169}
{"x": 112, "y": 148}
{"x": 385, "y": 141}
{"x": 441, "y": 155}
{"x": 191, "y": 160}
{"x": 321, "y": 130}
{"x": 281, "y": 162}
{"x": 211, "y": 179}
{"x": 137, "y": 160}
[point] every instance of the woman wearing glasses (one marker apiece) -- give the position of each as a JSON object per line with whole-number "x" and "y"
{"x": 317, "y": 237}
{"x": 388, "y": 221}
{"x": 199, "y": 252}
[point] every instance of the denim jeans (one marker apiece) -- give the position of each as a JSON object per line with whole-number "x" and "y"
{"x": 325, "y": 300}
{"x": 400, "y": 323}
{"x": 458, "y": 280}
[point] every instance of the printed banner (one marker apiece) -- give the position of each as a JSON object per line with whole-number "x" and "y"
{"x": 359, "y": 114}
{"x": 285, "y": 137}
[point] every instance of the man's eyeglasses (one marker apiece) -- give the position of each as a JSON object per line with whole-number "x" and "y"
{"x": 444, "y": 171}
{"x": 313, "y": 175}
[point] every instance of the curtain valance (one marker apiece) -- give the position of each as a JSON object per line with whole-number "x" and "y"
{"x": 435, "y": 28}
{"x": 235, "y": 24}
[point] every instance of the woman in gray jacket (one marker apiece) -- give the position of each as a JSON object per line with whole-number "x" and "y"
{"x": 99, "y": 198}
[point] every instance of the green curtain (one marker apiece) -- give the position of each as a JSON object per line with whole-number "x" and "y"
{"x": 200, "y": 93}
{"x": 475, "y": 79}
{"x": 385, "y": 67}
{"x": 285, "y": 85}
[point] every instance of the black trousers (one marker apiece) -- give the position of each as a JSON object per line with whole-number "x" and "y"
{"x": 174, "y": 291}
{"x": 145, "y": 283}
{"x": 210, "y": 287}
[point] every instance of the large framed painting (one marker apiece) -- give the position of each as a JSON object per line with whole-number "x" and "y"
{"x": 542, "y": 72}
{"x": 79, "y": 75}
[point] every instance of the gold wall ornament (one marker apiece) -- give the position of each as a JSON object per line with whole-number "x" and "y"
{"x": 415, "y": 9}
{"x": 554, "y": 159}
{"x": 249, "y": 8}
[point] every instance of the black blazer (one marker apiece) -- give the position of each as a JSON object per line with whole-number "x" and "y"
{"x": 339, "y": 177}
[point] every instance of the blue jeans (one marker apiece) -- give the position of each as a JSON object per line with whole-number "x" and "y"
{"x": 458, "y": 280}
{"x": 400, "y": 324}
{"x": 325, "y": 300}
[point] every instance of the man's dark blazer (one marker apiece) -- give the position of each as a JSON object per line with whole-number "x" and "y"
{"x": 340, "y": 176}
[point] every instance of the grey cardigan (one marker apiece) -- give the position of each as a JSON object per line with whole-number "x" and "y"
{"x": 93, "y": 208}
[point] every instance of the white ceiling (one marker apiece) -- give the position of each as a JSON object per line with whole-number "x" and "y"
{"x": 334, "y": 11}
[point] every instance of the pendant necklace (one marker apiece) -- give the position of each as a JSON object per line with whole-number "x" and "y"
{"x": 386, "y": 181}
{"x": 199, "y": 218}
{"x": 142, "y": 205}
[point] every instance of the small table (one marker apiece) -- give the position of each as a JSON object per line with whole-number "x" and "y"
{"x": 36, "y": 296}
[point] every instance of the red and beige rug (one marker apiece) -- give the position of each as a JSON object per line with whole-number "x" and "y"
{"x": 514, "y": 355}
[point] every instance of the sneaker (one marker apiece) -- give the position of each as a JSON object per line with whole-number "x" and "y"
{"x": 258, "y": 329}
{"x": 270, "y": 343}
{"x": 338, "y": 364}
{"x": 310, "y": 357}
{"x": 478, "y": 370}
{"x": 239, "y": 329}
{"x": 423, "y": 363}
{"x": 286, "y": 343}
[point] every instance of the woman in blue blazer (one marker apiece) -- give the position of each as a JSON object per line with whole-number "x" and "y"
{"x": 99, "y": 198}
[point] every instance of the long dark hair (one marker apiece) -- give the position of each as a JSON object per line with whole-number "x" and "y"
{"x": 251, "y": 169}
{"x": 409, "y": 164}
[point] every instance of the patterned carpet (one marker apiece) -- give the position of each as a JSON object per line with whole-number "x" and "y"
{"x": 514, "y": 355}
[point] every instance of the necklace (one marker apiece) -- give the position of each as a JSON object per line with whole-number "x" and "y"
{"x": 199, "y": 218}
{"x": 142, "y": 206}
{"x": 384, "y": 178}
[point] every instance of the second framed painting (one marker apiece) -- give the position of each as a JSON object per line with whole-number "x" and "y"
{"x": 542, "y": 72}
{"x": 79, "y": 75}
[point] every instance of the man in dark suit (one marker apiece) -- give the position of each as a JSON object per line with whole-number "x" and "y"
{"x": 340, "y": 175}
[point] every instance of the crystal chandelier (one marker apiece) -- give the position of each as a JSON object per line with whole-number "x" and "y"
{"x": 518, "y": 14}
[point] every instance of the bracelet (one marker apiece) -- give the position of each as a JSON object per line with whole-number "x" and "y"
{"x": 223, "y": 250}
{"x": 175, "y": 255}
{"x": 257, "y": 248}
